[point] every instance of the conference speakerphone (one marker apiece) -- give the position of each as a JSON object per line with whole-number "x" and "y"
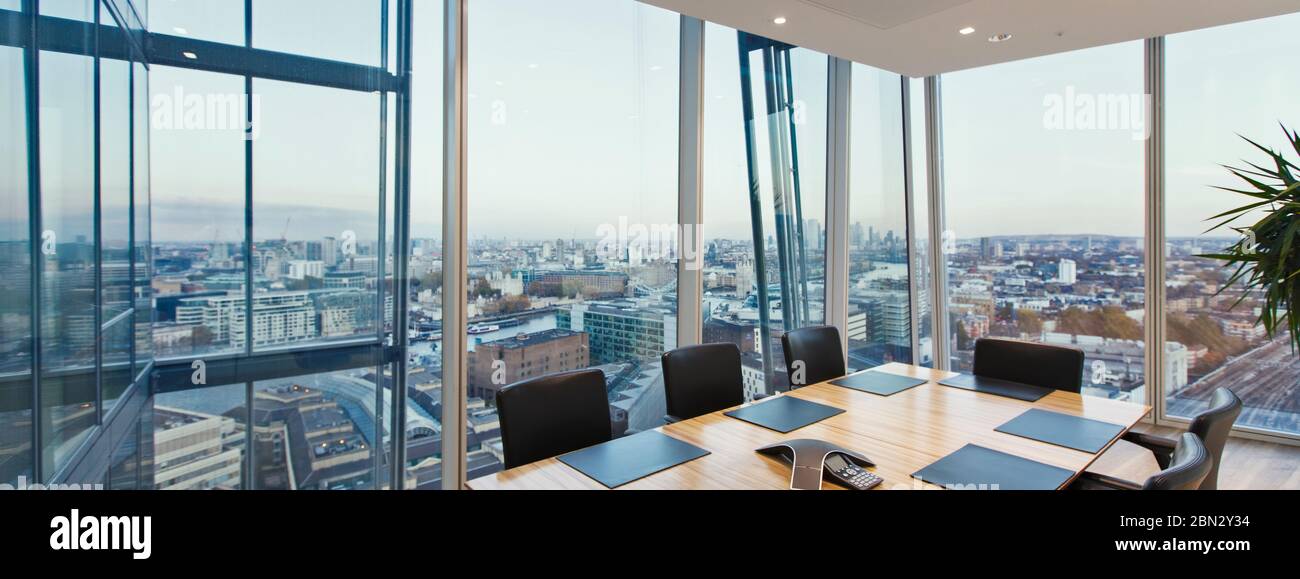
{"x": 811, "y": 461}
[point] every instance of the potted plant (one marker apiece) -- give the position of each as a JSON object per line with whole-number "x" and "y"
{"x": 1267, "y": 258}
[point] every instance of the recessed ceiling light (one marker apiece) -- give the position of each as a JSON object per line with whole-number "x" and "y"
{"x": 190, "y": 55}
{"x": 967, "y": 30}
{"x": 1003, "y": 37}
{"x": 778, "y": 20}
{"x": 180, "y": 30}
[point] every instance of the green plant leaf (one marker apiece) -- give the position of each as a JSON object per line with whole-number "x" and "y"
{"x": 1266, "y": 263}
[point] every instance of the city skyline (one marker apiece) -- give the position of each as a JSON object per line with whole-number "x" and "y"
{"x": 572, "y": 128}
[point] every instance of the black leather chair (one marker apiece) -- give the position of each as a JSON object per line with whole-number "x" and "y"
{"x": 1189, "y": 465}
{"x": 820, "y": 350}
{"x": 552, "y": 415}
{"x": 1056, "y": 367}
{"x": 1211, "y": 426}
{"x": 702, "y": 379}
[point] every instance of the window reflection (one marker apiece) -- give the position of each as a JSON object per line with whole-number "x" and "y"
{"x": 67, "y": 267}
{"x": 879, "y": 315}
{"x": 15, "y": 274}
{"x": 792, "y": 263}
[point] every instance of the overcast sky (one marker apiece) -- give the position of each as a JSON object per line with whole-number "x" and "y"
{"x": 573, "y": 124}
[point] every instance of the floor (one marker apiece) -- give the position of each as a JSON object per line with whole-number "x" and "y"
{"x": 1247, "y": 464}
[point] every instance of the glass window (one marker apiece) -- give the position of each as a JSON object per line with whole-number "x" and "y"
{"x": 199, "y": 438}
{"x": 83, "y": 10}
{"x": 424, "y": 365}
{"x": 115, "y": 186}
{"x": 15, "y": 274}
{"x": 142, "y": 263}
{"x": 1044, "y": 199}
{"x": 1214, "y": 95}
{"x": 879, "y": 323}
{"x": 315, "y": 215}
{"x": 572, "y": 120}
{"x": 922, "y": 272}
{"x": 214, "y": 20}
{"x": 124, "y": 469}
{"x": 67, "y": 291}
{"x": 346, "y": 30}
{"x": 115, "y": 225}
{"x": 195, "y": 139}
{"x": 316, "y": 431}
{"x": 789, "y": 274}
{"x": 116, "y": 343}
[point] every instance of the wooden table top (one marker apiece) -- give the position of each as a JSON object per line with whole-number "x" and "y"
{"x": 901, "y": 434}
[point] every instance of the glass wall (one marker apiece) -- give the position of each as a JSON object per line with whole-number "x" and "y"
{"x": 315, "y": 216}
{"x": 198, "y": 220}
{"x": 424, "y": 266}
{"x": 316, "y": 257}
{"x": 15, "y": 273}
{"x": 879, "y": 315}
{"x": 1215, "y": 95}
{"x": 572, "y": 124}
{"x": 774, "y": 136}
{"x": 922, "y": 271}
{"x": 1044, "y": 199}
{"x": 115, "y": 186}
{"x": 293, "y": 135}
{"x": 572, "y": 120}
{"x": 339, "y": 30}
{"x": 142, "y": 264}
{"x": 214, "y": 20}
{"x": 67, "y": 236}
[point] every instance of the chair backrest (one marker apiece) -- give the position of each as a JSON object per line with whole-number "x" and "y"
{"x": 551, "y": 415}
{"x": 1056, "y": 367}
{"x": 1213, "y": 426}
{"x": 702, "y": 379}
{"x": 1187, "y": 469}
{"x": 819, "y": 349}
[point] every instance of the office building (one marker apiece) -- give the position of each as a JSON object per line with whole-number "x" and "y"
{"x": 621, "y": 330}
{"x": 589, "y": 284}
{"x": 278, "y": 318}
{"x": 302, "y": 269}
{"x": 196, "y": 451}
{"x": 495, "y": 364}
{"x": 1067, "y": 272}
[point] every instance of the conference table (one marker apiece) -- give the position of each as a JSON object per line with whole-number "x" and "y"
{"x": 901, "y": 434}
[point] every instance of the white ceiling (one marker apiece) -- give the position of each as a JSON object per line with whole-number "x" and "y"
{"x": 919, "y": 37}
